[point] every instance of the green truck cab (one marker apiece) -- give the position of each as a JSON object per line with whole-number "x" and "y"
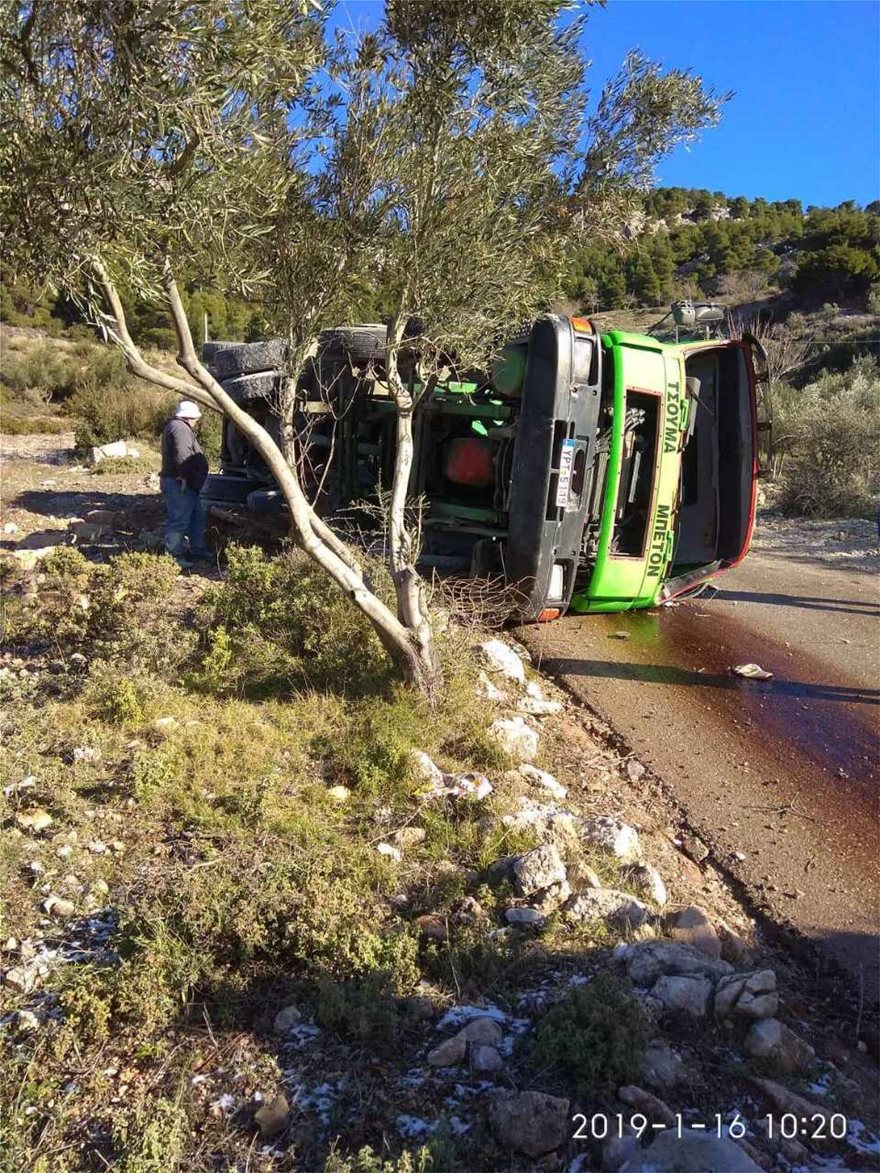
{"x": 584, "y": 471}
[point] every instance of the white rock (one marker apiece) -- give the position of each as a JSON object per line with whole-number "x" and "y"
{"x": 26, "y": 1021}
{"x": 286, "y": 1019}
{"x": 692, "y": 925}
{"x": 515, "y": 737}
{"x": 35, "y": 820}
{"x": 614, "y": 837}
{"x": 500, "y": 657}
{"x": 164, "y": 724}
{"x": 489, "y": 691}
{"x": 27, "y": 783}
{"x": 486, "y": 1059}
{"x": 524, "y": 916}
{"x": 692, "y": 1152}
{"x": 449, "y": 1053}
{"x": 425, "y": 768}
{"x": 389, "y": 850}
{"x": 531, "y": 1122}
{"x": 86, "y": 753}
{"x": 539, "y": 708}
{"x": 538, "y": 869}
{"x": 747, "y": 995}
{"x": 58, "y": 907}
{"x": 10, "y": 528}
{"x": 661, "y": 1066}
{"x": 683, "y": 994}
{"x": 339, "y": 793}
{"x": 772, "y": 1041}
{"x": 649, "y": 960}
{"x": 606, "y": 904}
{"x": 544, "y": 780}
{"x": 105, "y": 451}
{"x": 648, "y": 882}
{"x": 483, "y": 1031}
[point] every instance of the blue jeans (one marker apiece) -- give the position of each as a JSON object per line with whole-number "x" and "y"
{"x": 186, "y": 519}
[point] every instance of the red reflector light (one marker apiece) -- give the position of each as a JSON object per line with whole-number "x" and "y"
{"x": 549, "y": 614}
{"x": 470, "y": 461}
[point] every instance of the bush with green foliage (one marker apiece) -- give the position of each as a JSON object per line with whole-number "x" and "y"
{"x": 831, "y": 428}
{"x": 596, "y": 1035}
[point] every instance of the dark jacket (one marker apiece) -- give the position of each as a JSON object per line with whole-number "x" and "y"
{"x": 182, "y": 455}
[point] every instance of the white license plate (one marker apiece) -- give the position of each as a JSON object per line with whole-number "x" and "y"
{"x": 566, "y": 459}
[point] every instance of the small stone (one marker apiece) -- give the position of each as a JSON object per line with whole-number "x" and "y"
{"x": 607, "y": 904}
{"x": 449, "y": 1053}
{"x": 552, "y": 898}
{"x": 530, "y": 1122}
{"x": 99, "y": 888}
{"x": 389, "y": 851}
{"x": 515, "y": 737}
{"x": 58, "y": 907}
{"x": 408, "y": 837}
{"x": 619, "y": 635}
{"x": 692, "y": 1152}
{"x": 646, "y": 1103}
{"x": 35, "y": 820}
{"x": 614, "y": 837}
{"x": 10, "y": 528}
{"x": 286, "y": 1019}
{"x": 733, "y": 947}
{"x": 486, "y": 1059}
{"x": 164, "y": 724}
{"x": 789, "y": 1102}
{"x": 78, "y": 660}
{"x": 524, "y": 916}
{"x": 339, "y": 793}
{"x": 648, "y": 882}
{"x": 694, "y": 847}
{"x": 26, "y": 1021}
{"x": 484, "y": 1031}
{"x": 635, "y": 771}
{"x": 272, "y": 1118}
{"x": 97, "y": 847}
{"x": 500, "y": 657}
{"x": 489, "y": 691}
{"x": 432, "y": 927}
{"x": 771, "y": 1041}
{"x": 21, "y": 978}
{"x": 65, "y": 851}
{"x": 747, "y": 995}
{"x": 539, "y": 708}
{"x": 661, "y": 1067}
{"x": 683, "y": 994}
{"x": 544, "y": 780}
{"x": 693, "y": 926}
{"x": 86, "y": 753}
{"x": 537, "y": 870}
{"x": 426, "y": 770}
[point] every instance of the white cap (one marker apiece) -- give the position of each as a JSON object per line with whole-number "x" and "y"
{"x": 187, "y": 410}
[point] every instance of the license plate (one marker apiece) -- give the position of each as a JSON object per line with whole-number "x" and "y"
{"x": 566, "y": 459}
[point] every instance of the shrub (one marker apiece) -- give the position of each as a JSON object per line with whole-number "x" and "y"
{"x": 831, "y": 429}
{"x": 596, "y": 1035}
{"x": 285, "y": 627}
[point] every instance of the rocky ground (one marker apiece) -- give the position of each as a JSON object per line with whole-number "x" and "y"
{"x": 588, "y": 990}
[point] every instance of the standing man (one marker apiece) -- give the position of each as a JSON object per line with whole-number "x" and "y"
{"x": 184, "y": 471}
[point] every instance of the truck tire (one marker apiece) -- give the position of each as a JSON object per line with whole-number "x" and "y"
{"x": 246, "y": 358}
{"x": 211, "y": 349}
{"x": 251, "y": 388}
{"x": 357, "y": 343}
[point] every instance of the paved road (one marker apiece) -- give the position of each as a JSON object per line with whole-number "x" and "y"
{"x": 784, "y": 773}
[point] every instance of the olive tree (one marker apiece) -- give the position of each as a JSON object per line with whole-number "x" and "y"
{"x": 446, "y": 159}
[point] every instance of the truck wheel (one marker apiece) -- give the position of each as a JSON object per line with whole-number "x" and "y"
{"x": 247, "y": 358}
{"x": 357, "y": 343}
{"x": 249, "y": 388}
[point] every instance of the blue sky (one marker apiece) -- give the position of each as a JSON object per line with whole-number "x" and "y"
{"x": 804, "y": 122}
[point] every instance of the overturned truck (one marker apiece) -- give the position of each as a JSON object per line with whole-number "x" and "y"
{"x": 591, "y": 472}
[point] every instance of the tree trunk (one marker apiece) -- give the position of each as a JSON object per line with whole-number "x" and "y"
{"x": 401, "y": 645}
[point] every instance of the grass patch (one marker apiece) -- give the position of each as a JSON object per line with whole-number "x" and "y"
{"x": 119, "y": 465}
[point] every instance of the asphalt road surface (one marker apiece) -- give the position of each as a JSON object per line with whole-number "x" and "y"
{"x": 779, "y": 778}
